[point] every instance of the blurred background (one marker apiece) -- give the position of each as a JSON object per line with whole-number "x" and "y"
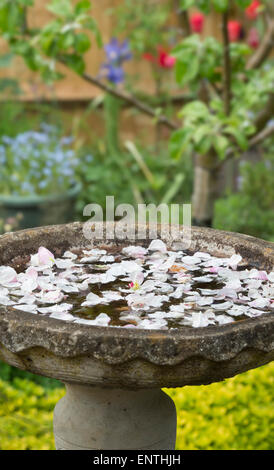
{"x": 167, "y": 101}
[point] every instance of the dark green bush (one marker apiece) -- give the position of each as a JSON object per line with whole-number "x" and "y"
{"x": 251, "y": 210}
{"x": 154, "y": 178}
{"x": 9, "y": 373}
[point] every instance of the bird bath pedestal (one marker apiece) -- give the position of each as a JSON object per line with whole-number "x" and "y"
{"x": 114, "y": 376}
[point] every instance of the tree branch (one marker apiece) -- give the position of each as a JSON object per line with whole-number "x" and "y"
{"x": 127, "y": 98}
{"x": 24, "y": 27}
{"x": 254, "y": 140}
{"x": 131, "y": 100}
{"x": 261, "y": 136}
{"x": 227, "y": 68}
{"x": 183, "y": 18}
{"x": 265, "y": 114}
{"x": 264, "y": 49}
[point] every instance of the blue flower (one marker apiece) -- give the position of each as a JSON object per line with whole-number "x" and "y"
{"x": 7, "y": 140}
{"x": 66, "y": 140}
{"x": 37, "y": 162}
{"x": 114, "y": 74}
{"x": 117, "y": 53}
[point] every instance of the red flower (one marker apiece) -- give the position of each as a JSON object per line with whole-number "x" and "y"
{"x": 197, "y": 22}
{"x": 253, "y": 39}
{"x": 163, "y": 58}
{"x": 252, "y": 10}
{"x": 149, "y": 57}
{"x": 234, "y": 30}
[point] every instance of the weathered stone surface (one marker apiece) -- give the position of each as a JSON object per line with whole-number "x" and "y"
{"x": 128, "y": 358}
{"x": 89, "y": 418}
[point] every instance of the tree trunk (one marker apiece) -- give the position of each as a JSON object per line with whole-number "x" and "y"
{"x": 207, "y": 188}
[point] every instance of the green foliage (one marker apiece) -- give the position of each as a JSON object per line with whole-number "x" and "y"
{"x": 251, "y": 210}
{"x": 197, "y": 59}
{"x": 8, "y": 86}
{"x": 145, "y": 23}
{"x": 236, "y": 414}
{"x": 63, "y": 38}
{"x": 148, "y": 177}
{"x": 26, "y": 414}
{"x": 185, "y": 4}
{"x": 17, "y": 117}
{"x": 10, "y": 373}
{"x": 239, "y": 213}
{"x": 244, "y": 3}
{"x": 132, "y": 173}
{"x": 206, "y": 5}
{"x": 253, "y": 93}
{"x": 205, "y": 125}
{"x": 204, "y": 130}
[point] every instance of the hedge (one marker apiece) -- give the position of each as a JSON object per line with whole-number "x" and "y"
{"x": 234, "y": 414}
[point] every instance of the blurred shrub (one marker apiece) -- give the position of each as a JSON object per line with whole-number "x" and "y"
{"x": 251, "y": 210}
{"x": 17, "y": 116}
{"x": 26, "y": 414}
{"x": 235, "y": 414}
{"x": 9, "y": 373}
{"x": 138, "y": 176}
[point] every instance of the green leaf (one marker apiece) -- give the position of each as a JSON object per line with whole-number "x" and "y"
{"x": 81, "y": 43}
{"x": 201, "y": 132}
{"x": 178, "y": 142}
{"x": 196, "y": 109}
{"x": 239, "y": 136}
{"x": 220, "y": 143}
{"x": 243, "y": 3}
{"x": 173, "y": 189}
{"x": 185, "y": 4}
{"x": 67, "y": 40}
{"x": 75, "y": 62}
{"x": 204, "y": 6}
{"x": 204, "y": 145}
{"x": 180, "y": 71}
{"x": 220, "y": 5}
{"x": 61, "y": 8}
{"x": 187, "y": 70}
{"x": 26, "y": 3}
{"x": 92, "y": 26}
{"x": 82, "y": 7}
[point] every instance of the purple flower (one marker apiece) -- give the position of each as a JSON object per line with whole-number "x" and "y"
{"x": 114, "y": 73}
{"x": 116, "y": 53}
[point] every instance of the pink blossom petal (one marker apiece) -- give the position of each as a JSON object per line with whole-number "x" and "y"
{"x": 157, "y": 245}
{"x": 45, "y": 256}
{"x": 263, "y": 276}
{"x": 7, "y": 275}
{"x": 32, "y": 272}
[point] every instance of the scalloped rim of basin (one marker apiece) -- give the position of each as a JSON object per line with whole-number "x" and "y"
{"x": 21, "y": 331}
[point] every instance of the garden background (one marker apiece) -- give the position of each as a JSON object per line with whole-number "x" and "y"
{"x": 165, "y": 101}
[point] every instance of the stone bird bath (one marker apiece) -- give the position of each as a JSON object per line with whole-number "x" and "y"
{"x": 114, "y": 375}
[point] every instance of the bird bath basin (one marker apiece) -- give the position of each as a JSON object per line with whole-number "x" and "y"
{"x": 114, "y": 376}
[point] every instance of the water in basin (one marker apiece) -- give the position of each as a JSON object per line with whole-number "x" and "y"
{"x": 137, "y": 287}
